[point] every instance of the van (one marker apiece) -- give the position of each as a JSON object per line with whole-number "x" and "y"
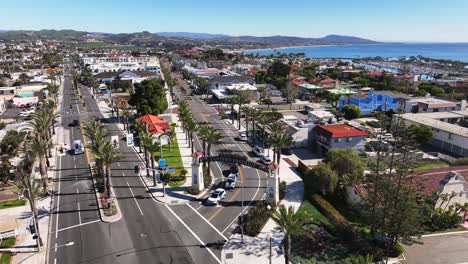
{"x": 78, "y": 147}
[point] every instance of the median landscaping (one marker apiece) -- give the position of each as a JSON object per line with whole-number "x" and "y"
{"x": 12, "y": 203}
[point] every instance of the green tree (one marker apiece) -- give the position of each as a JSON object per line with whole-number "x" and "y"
{"x": 351, "y": 111}
{"x": 149, "y": 97}
{"x": 347, "y": 163}
{"x": 107, "y": 155}
{"x": 421, "y": 134}
{"x": 290, "y": 223}
{"x": 213, "y": 137}
{"x": 321, "y": 178}
{"x": 3, "y": 84}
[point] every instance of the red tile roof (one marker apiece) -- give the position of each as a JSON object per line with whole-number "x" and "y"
{"x": 432, "y": 179}
{"x": 155, "y": 124}
{"x": 339, "y": 131}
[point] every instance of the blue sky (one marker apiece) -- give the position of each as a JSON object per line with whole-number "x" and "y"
{"x": 383, "y": 20}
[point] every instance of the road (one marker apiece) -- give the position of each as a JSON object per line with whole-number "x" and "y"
{"x": 148, "y": 232}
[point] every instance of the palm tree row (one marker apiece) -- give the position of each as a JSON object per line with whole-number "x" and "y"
{"x": 103, "y": 151}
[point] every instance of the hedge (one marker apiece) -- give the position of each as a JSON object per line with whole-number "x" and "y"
{"x": 336, "y": 219}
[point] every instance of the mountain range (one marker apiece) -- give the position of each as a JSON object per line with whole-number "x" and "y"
{"x": 146, "y": 38}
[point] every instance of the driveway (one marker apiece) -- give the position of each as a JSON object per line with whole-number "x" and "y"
{"x": 443, "y": 249}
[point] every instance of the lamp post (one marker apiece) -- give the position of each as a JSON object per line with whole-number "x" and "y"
{"x": 271, "y": 254}
{"x": 242, "y": 207}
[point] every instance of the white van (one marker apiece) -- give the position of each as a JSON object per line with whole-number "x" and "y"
{"x": 78, "y": 147}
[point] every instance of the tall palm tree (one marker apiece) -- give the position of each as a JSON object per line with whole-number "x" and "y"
{"x": 38, "y": 149}
{"x": 75, "y": 76}
{"x": 145, "y": 140}
{"x": 213, "y": 137}
{"x": 242, "y": 99}
{"x": 140, "y": 127}
{"x": 279, "y": 141}
{"x": 264, "y": 121}
{"x": 290, "y": 223}
{"x": 191, "y": 127}
{"x": 53, "y": 91}
{"x": 247, "y": 112}
{"x": 32, "y": 190}
{"x": 254, "y": 115}
{"x": 153, "y": 149}
{"x": 232, "y": 100}
{"x": 107, "y": 155}
{"x": 125, "y": 114}
{"x": 96, "y": 132}
{"x": 202, "y": 134}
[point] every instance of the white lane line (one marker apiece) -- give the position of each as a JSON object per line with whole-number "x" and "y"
{"x": 55, "y": 247}
{"x": 55, "y": 260}
{"x": 193, "y": 234}
{"x": 139, "y": 208}
{"x": 73, "y": 226}
{"x": 199, "y": 207}
{"x": 58, "y": 197}
{"x": 79, "y": 209}
{"x": 210, "y": 224}
{"x": 246, "y": 207}
{"x": 118, "y": 164}
{"x": 74, "y": 159}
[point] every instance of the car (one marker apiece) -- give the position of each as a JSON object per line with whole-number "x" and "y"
{"x": 78, "y": 147}
{"x": 286, "y": 151}
{"x": 265, "y": 160}
{"x": 242, "y": 136}
{"x": 233, "y": 168}
{"x": 257, "y": 151}
{"x": 216, "y": 196}
{"x": 75, "y": 123}
{"x": 231, "y": 181}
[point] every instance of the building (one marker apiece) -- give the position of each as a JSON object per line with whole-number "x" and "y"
{"x": 307, "y": 90}
{"x": 320, "y": 116}
{"x": 325, "y": 137}
{"x": 375, "y": 101}
{"x": 298, "y": 131}
{"x": 434, "y": 181}
{"x": 220, "y": 82}
{"x": 447, "y": 134}
{"x": 430, "y": 104}
{"x": 133, "y": 76}
{"x": 155, "y": 124}
{"x": 120, "y": 61}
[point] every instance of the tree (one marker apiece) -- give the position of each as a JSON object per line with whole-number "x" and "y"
{"x": 53, "y": 91}
{"x": 351, "y": 111}
{"x": 191, "y": 127}
{"x": 291, "y": 91}
{"x": 149, "y": 97}
{"x": 347, "y": 163}
{"x": 75, "y": 76}
{"x": 332, "y": 99}
{"x": 213, "y": 137}
{"x": 290, "y": 223}
{"x": 107, "y": 155}
{"x": 279, "y": 141}
{"x": 321, "y": 178}
{"x": 241, "y": 99}
{"x": 279, "y": 69}
{"x": 421, "y": 134}
{"x": 37, "y": 149}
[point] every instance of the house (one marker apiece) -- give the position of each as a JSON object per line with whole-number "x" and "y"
{"x": 325, "y": 137}
{"x": 133, "y": 76}
{"x": 320, "y": 115}
{"x": 375, "y": 101}
{"x": 298, "y": 131}
{"x": 155, "y": 124}
{"x": 447, "y": 135}
{"x": 307, "y": 89}
{"x": 434, "y": 181}
{"x": 220, "y": 82}
{"x": 431, "y": 104}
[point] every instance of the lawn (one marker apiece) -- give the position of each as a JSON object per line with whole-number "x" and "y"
{"x": 8, "y": 242}
{"x": 310, "y": 212}
{"x": 425, "y": 165}
{"x": 5, "y": 258}
{"x": 12, "y": 203}
{"x": 173, "y": 160}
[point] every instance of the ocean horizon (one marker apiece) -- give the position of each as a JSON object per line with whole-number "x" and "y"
{"x": 446, "y": 51}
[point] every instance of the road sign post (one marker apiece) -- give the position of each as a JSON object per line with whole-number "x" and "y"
{"x": 130, "y": 141}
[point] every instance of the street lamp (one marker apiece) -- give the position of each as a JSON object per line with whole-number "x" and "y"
{"x": 271, "y": 254}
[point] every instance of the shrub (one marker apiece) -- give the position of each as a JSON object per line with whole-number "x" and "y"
{"x": 461, "y": 161}
{"x": 282, "y": 190}
{"x": 193, "y": 191}
{"x": 2, "y": 125}
{"x": 396, "y": 250}
{"x": 338, "y": 221}
{"x": 256, "y": 218}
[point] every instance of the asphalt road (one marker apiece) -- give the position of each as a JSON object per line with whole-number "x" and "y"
{"x": 148, "y": 232}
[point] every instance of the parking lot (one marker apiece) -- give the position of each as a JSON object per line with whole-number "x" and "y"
{"x": 12, "y": 113}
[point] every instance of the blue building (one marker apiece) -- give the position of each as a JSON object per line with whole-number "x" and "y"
{"x": 374, "y": 101}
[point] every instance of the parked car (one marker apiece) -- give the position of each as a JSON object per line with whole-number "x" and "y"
{"x": 215, "y": 197}
{"x": 257, "y": 151}
{"x": 265, "y": 160}
{"x": 286, "y": 151}
{"x": 231, "y": 181}
{"x": 75, "y": 123}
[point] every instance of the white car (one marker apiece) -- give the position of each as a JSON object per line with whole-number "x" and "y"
{"x": 215, "y": 197}
{"x": 265, "y": 160}
{"x": 231, "y": 181}
{"x": 243, "y": 136}
{"x": 78, "y": 147}
{"x": 257, "y": 151}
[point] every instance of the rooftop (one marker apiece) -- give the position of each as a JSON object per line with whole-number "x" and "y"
{"x": 339, "y": 131}
{"x": 432, "y": 120}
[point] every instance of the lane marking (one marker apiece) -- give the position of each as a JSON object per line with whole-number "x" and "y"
{"x": 118, "y": 164}
{"x": 141, "y": 212}
{"x": 58, "y": 198}
{"x": 73, "y": 226}
{"x": 210, "y": 224}
{"x": 194, "y": 235}
{"x": 241, "y": 174}
{"x": 79, "y": 209}
{"x": 55, "y": 260}
{"x": 55, "y": 247}
{"x": 199, "y": 207}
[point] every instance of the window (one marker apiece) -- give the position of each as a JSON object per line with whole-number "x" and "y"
{"x": 425, "y": 109}
{"x": 349, "y": 139}
{"x": 450, "y": 136}
{"x": 337, "y": 140}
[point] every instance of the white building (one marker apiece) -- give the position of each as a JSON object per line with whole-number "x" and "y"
{"x": 430, "y": 104}
{"x": 121, "y": 62}
{"x": 447, "y": 135}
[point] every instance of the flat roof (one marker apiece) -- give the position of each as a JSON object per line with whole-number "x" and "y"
{"x": 432, "y": 121}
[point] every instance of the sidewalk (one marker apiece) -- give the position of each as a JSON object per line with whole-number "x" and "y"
{"x": 257, "y": 249}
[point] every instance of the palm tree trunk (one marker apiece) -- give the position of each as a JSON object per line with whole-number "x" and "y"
{"x": 32, "y": 205}
{"x": 108, "y": 191}
{"x": 209, "y": 163}
{"x": 239, "y": 117}
{"x": 204, "y": 153}
{"x": 191, "y": 141}
{"x": 146, "y": 162}
{"x": 278, "y": 155}
{"x": 247, "y": 127}
{"x": 287, "y": 250}
{"x": 43, "y": 172}
{"x": 232, "y": 113}
{"x": 152, "y": 166}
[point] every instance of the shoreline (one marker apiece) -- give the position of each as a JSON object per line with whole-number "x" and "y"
{"x": 312, "y": 46}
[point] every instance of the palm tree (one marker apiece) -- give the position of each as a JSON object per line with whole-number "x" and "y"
{"x": 153, "y": 148}
{"x": 213, "y": 137}
{"x": 279, "y": 141}
{"x": 254, "y": 115}
{"x": 53, "y": 91}
{"x": 202, "y": 134}
{"x": 125, "y": 114}
{"x": 290, "y": 223}
{"x": 247, "y": 112}
{"x": 32, "y": 190}
{"x": 75, "y": 76}
{"x": 191, "y": 126}
{"x": 107, "y": 155}
{"x": 242, "y": 98}
{"x": 38, "y": 149}
{"x": 264, "y": 121}
{"x": 232, "y": 101}
{"x": 145, "y": 140}
{"x": 140, "y": 127}
{"x": 95, "y": 131}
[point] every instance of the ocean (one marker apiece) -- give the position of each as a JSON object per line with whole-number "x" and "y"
{"x": 449, "y": 51}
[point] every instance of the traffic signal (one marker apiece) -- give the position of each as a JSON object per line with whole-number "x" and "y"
{"x": 137, "y": 169}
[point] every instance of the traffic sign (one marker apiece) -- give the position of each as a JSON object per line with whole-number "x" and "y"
{"x": 162, "y": 163}
{"x": 169, "y": 170}
{"x": 129, "y": 140}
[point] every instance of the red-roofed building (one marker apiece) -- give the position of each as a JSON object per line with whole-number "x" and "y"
{"x": 338, "y": 136}
{"x": 433, "y": 181}
{"x": 156, "y": 124}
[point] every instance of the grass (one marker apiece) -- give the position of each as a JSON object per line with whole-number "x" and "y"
{"x": 425, "y": 165}
{"x": 8, "y": 242}
{"x": 309, "y": 211}
{"x": 5, "y": 258}
{"x": 12, "y": 203}
{"x": 173, "y": 160}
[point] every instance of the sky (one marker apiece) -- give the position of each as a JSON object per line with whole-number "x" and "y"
{"x": 381, "y": 20}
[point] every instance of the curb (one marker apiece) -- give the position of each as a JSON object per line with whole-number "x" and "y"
{"x": 105, "y": 219}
